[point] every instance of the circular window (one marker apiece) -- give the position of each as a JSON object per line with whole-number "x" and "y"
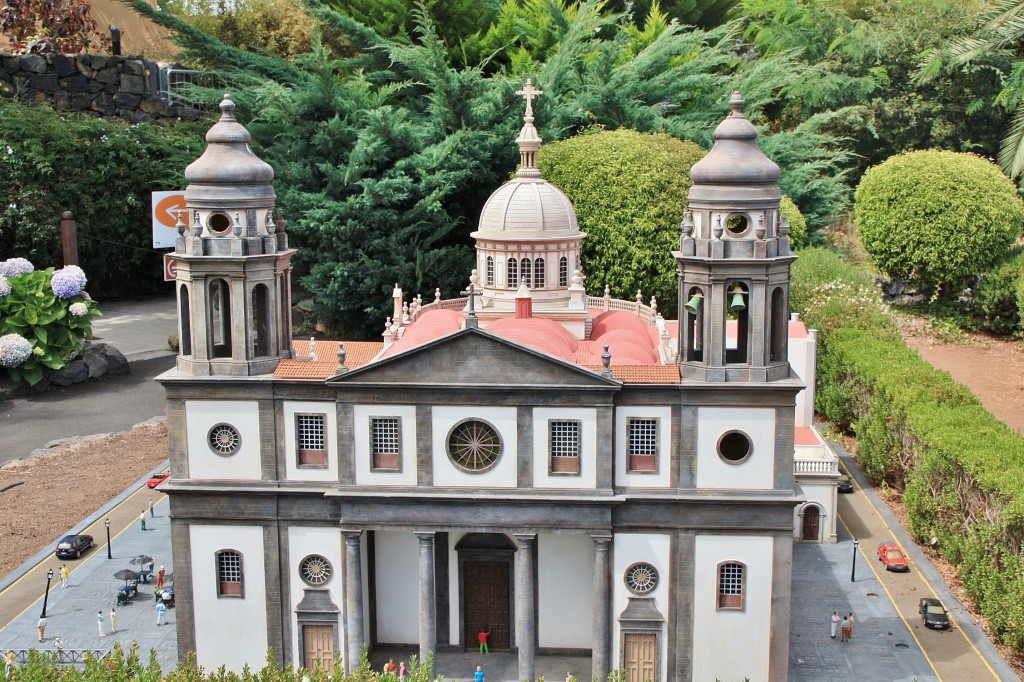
{"x": 224, "y": 439}
{"x": 315, "y": 570}
{"x": 641, "y": 578}
{"x": 734, "y": 447}
{"x": 737, "y": 224}
{"x": 219, "y": 223}
{"x": 474, "y": 445}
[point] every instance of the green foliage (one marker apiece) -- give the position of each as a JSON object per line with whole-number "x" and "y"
{"x": 103, "y": 172}
{"x": 998, "y": 300}
{"x": 702, "y": 13}
{"x": 55, "y": 327}
{"x": 629, "y": 190}
{"x": 960, "y": 469}
{"x": 280, "y": 27}
{"x": 797, "y": 223}
{"x": 937, "y": 218}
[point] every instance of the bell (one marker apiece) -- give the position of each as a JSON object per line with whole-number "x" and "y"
{"x": 736, "y": 302}
{"x": 694, "y": 304}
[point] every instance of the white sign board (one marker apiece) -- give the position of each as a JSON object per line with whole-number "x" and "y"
{"x": 166, "y": 207}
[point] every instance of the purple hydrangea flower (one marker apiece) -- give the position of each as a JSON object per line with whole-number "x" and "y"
{"x": 65, "y": 284}
{"x": 5, "y": 286}
{"x": 78, "y": 309}
{"x": 12, "y": 267}
{"x": 15, "y": 349}
{"x": 77, "y": 272}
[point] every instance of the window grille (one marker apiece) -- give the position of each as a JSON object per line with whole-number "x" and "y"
{"x": 538, "y": 273}
{"x": 525, "y": 267}
{"x": 643, "y": 444}
{"x": 490, "y": 271}
{"x": 512, "y": 279}
{"x": 564, "y": 446}
{"x": 730, "y": 586}
{"x": 229, "y": 573}
{"x": 563, "y": 272}
{"x": 385, "y": 436}
{"x": 311, "y": 436}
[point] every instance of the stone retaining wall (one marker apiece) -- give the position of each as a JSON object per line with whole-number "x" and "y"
{"x": 107, "y": 86}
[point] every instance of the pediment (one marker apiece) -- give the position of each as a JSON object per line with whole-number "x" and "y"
{"x": 474, "y": 357}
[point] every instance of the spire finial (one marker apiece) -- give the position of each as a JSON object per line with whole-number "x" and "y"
{"x": 529, "y": 140}
{"x": 227, "y": 108}
{"x": 736, "y": 104}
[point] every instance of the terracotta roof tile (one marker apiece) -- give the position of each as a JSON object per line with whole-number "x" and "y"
{"x": 642, "y": 374}
{"x": 357, "y": 354}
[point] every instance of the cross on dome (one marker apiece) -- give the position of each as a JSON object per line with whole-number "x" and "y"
{"x": 529, "y": 140}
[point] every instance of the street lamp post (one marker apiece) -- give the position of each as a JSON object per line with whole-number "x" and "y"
{"x": 46, "y": 595}
{"x": 106, "y": 522}
{"x": 853, "y": 569}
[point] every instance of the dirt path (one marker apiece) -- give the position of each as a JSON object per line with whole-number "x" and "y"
{"x": 992, "y": 368}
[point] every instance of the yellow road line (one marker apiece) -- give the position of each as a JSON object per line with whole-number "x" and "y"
{"x": 26, "y": 574}
{"x": 923, "y": 579}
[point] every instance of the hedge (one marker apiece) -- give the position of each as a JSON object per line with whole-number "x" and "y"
{"x": 998, "y": 300}
{"x": 960, "y": 470}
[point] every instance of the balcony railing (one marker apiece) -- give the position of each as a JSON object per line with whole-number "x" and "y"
{"x": 816, "y": 466}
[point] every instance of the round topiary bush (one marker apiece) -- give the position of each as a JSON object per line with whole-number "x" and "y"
{"x": 936, "y": 218}
{"x": 629, "y": 190}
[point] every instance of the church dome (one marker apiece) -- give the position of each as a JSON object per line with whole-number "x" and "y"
{"x": 228, "y": 169}
{"x": 735, "y": 158}
{"x": 528, "y": 206}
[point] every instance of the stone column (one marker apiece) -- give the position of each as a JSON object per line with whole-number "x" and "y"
{"x": 428, "y": 607}
{"x": 601, "y": 655}
{"x": 526, "y": 633}
{"x": 353, "y": 599}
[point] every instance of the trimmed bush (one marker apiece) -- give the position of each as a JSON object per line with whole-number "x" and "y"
{"x": 999, "y": 296}
{"x": 961, "y": 471}
{"x": 797, "y": 223}
{"x": 103, "y": 172}
{"x": 629, "y": 190}
{"x": 937, "y": 218}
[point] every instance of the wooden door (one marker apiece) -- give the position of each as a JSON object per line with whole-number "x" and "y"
{"x": 641, "y": 657}
{"x": 318, "y": 647}
{"x": 811, "y": 521}
{"x": 485, "y": 591}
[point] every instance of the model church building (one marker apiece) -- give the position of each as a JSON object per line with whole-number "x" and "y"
{"x": 572, "y": 473}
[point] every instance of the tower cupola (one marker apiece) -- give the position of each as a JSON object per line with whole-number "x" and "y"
{"x": 734, "y": 261}
{"x": 233, "y": 261}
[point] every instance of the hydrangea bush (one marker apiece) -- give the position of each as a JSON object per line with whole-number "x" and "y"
{"x": 45, "y": 318}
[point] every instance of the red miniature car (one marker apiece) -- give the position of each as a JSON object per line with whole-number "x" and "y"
{"x": 893, "y": 558}
{"x": 157, "y": 479}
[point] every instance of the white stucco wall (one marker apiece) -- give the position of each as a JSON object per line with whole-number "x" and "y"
{"x": 565, "y": 577}
{"x": 327, "y": 542}
{"x": 823, "y": 493}
{"x": 203, "y": 462}
{"x": 802, "y": 358}
{"x": 628, "y": 549}
{"x": 291, "y": 456}
{"x": 587, "y": 477}
{"x": 658, "y": 479}
{"x": 757, "y": 471}
{"x": 502, "y": 474}
{"x": 398, "y": 594}
{"x": 216, "y": 643}
{"x": 365, "y": 475}
{"x": 732, "y": 644}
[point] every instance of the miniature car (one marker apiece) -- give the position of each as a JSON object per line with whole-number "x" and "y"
{"x": 845, "y": 485}
{"x": 157, "y": 479}
{"x": 892, "y": 556}
{"x": 934, "y": 614}
{"x": 72, "y": 546}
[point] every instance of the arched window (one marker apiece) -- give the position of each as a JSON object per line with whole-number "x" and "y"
{"x": 694, "y": 307}
{"x": 185, "y": 337}
{"x": 220, "y": 318}
{"x": 490, "y": 271}
{"x": 779, "y": 323}
{"x": 538, "y": 273}
{"x": 512, "y": 276}
{"x": 737, "y": 347}
{"x": 260, "y": 320}
{"x": 731, "y": 585}
{"x": 563, "y": 272}
{"x": 229, "y": 573}
{"x": 525, "y": 265}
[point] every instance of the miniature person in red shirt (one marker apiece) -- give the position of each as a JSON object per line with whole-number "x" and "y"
{"x": 482, "y": 638}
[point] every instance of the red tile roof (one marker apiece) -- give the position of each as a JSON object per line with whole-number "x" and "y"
{"x": 357, "y": 354}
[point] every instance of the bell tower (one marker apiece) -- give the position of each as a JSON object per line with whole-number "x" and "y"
{"x": 234, "y": 264}
{"x": 733, "y": 263}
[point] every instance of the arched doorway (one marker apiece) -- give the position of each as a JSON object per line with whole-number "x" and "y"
{"x": 811, "y": 524}
{"x": 485, "y": 589}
